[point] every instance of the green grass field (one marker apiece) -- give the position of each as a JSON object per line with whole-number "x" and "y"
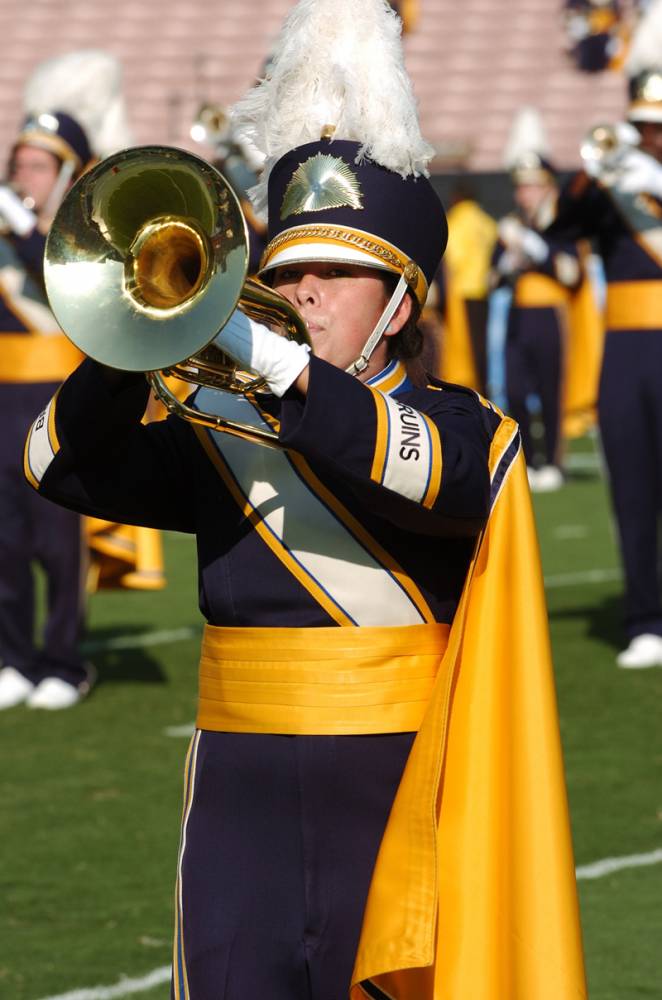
{"x": 91, "y": 798}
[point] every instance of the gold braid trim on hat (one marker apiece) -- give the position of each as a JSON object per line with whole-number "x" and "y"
{"x": 52, "y": 143}
{"x": 388, "y": 255}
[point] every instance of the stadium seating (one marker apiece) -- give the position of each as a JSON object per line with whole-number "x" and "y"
{"x": 473, "y": 64}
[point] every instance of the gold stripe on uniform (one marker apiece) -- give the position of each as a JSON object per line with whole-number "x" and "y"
{"x": 381, "y": 437}
{"x": 436, "y": 464}
{"x": 634, "y": 305}
{"x": 538, "y": 290}
{"x": 318, "y": 681}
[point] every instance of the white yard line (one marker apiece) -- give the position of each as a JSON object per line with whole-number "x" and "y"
{"x": 608, "y": 865}
{"x": 176, "y": 731}
{"x": 570, "y": 532}
{"x": 125, "y": 988}
{"x": 158, "y": 638}
{"x": 586, "y": 576}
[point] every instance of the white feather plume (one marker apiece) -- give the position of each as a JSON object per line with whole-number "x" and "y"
{"x": 339, "y": 63}
{"x": 646, "y": 45}
{"x": 86, "y": 84}
{"x": 527, "y": 135}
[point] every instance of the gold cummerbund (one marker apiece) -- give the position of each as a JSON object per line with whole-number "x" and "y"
{"x": 634, "y": 305}
{"x": 318, "y": 681}
{"x": 29, "y": 357}
{"x": 538, "y": 290}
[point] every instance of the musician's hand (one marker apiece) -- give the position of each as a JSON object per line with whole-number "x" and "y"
{"x": 255, "y": 347}
{"x": 640, "y": 173}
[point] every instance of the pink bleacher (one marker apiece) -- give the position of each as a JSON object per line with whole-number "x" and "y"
{"x": 474, "y": 64}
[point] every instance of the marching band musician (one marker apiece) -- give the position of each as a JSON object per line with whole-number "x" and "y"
{"x": 542, "y": 274}
{"x": 50, "y": 151}
{"x": 331, "y": 574}
{"x": 618, "y": 200}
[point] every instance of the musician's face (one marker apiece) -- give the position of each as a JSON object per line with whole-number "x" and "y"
{"x": 341, "y": 304}
{"x": 34, "y": 172}
{"x": 651, "y": 139}
{"x": 530, "y": 197}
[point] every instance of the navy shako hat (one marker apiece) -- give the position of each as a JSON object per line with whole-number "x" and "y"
{"x": 645, "y": 93}
{"x": 58, "y": 133}
{"x": 323, "y": 205}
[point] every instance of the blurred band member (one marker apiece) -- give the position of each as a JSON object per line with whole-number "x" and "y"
{"x": 617, "y": 200}
{"x": 542, "y": 273}
{"x": 49, "y": 153}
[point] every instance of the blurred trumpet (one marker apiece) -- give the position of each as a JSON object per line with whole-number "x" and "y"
{"x": 606, "y": 148}
{"x": 211, "y": 125}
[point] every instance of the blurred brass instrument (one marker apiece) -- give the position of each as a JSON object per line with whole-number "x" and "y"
{"x": 211, "y": 124}
{"x": 605, "y": 148}
{"x": 146, "y": 261}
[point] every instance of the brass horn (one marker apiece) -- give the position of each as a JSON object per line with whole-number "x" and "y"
{"x": 146, "y": 261}
{"x": 604, "y": 150}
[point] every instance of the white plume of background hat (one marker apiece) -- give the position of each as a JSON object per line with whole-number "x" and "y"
{"x": 336, "y": 63}
{"x": 86, "y": 84}
{"x": 527, "y": 135}
{"x": 646, "y": 45}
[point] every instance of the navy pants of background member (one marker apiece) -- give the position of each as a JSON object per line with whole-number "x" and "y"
{"x": 279, "y": 839}
{"x": 630, "y": 416}
{"x": 533, "y": 367}
{"x": 34, "y": 530}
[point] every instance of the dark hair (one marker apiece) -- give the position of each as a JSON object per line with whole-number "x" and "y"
{"x": 407, "y": 343}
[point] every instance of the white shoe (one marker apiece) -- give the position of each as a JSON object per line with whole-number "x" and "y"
{"x": 53, "y": 693}
{"x": 644, "y": 651}
{"x": 532, "y": 476}
{"x": 14, "y": 688}
{"x": 547, "y": 479}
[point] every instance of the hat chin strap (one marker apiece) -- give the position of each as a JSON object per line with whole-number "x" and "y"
{"x": 361, "y": 362}
{"x": 60, "y": 188}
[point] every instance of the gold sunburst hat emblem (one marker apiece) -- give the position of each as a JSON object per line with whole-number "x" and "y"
{"x": 321, "y": 182}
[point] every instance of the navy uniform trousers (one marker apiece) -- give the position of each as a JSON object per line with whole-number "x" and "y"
{"x": 630, "y": 416}
{"x": 534, "y": 358}
{"x": 279, "y": 839}
{"x": 33, "y": 529}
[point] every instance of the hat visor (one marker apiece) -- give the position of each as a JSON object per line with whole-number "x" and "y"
{"x": 643, "y": 111}
{"x": 337, "y": 245}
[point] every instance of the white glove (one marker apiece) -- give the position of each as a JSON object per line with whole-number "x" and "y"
{"x": 601, "y": 163}
{"x": 640, "y": 173}
{"x": 508, "y": 263}
{"x": 534, "y": 246}
{"x": 19, "y": 218}
{"x": 520, "y": 240}
{"x": 253, "y": 346}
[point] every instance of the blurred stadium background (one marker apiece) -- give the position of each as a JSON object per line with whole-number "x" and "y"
{"x": 90, "y": 799}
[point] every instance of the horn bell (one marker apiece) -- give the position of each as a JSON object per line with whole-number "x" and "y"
{"x": 146, "y": 258}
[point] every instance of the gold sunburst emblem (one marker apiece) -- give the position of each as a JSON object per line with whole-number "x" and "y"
{"x": 321, "y": 182}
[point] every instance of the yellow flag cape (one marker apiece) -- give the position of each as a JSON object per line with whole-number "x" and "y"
{"x": 123, "y": 556}
{"x": 457, "y": 363}
{"x": 473, "y": 895}
{"x": 583, "y": 361}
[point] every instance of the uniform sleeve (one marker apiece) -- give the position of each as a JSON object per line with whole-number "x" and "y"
{"x": 420, "y": 463}
{"x": 90, "y": 452}
{"x": 583, "y": 210}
